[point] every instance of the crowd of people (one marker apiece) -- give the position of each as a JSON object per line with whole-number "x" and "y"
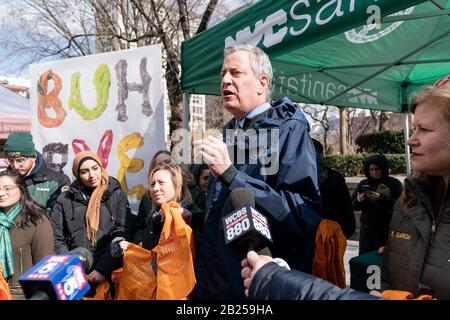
{"x": 307, "y": 205}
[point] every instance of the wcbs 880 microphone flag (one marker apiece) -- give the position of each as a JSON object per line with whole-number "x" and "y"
{"x": 245, "y": 228}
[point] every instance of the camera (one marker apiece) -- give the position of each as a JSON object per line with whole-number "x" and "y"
{"x": 366, "y": 188}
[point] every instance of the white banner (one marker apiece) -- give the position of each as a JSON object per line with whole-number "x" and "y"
{"x": 109, "y": 103}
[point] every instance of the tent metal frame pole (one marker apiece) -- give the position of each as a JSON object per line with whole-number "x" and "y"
{"x": 406, "y": 137}
{"x": 437, "y": 4}
{"x": 373, "y": 65}
{"x": 186, "y": 111}
{"x": 404, "y": 99}
{"x": 415, "y": 16}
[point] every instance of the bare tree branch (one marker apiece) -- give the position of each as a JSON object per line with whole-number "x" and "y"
{"x": 184, "y": 19}
{"x": 207, "y": 16}
{"x": 68, "y": 28}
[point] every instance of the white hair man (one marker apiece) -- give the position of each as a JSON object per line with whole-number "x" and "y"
{"x": 280, "y": 172}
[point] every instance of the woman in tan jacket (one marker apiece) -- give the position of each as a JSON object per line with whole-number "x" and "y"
{"x": 26, "y": 235}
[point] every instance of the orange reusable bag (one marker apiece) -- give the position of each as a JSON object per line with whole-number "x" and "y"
{"x": 4, "y": 288}
{"x": 330, "y": 247}
{"x": 404, "y": 295}
{"x": 135, "y": 280}
{"x": 175, "y": 252}
{"x": 102, "y": 292}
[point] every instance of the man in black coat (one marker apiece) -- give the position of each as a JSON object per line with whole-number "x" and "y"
{"x": 336, "y": 202}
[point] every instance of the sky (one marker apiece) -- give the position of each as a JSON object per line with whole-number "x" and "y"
{"x": 13, "y": 67}
{"x": 9, "y": 67}
{"x": 17, "y": 66}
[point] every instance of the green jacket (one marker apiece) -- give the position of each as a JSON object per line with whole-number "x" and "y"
{"x": 45, "y": 184}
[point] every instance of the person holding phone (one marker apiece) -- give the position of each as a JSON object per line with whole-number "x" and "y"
{"x": 375, "y": 196}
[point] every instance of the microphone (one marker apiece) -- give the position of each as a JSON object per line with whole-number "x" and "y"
{"x": 59, "y": 277}
{"x": 245, "y": 228}
{"x": 116, "y": 250}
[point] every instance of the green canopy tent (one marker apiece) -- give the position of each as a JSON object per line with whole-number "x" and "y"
{"x": 323, "y": 52}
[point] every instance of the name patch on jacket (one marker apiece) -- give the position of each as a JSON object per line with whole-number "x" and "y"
{"x": 401, "y": 235}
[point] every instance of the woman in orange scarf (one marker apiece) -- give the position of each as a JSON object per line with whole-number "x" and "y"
{"x": 168, "y": 234}
{"x": 90, "y": 214}
{"x": 166, "y": 184}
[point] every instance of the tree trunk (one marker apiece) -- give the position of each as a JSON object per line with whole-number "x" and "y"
{"x": 343, "y": 130}
{"x": 184, "y": 19}
{"x": 375, "y": 120}
{"x": 326, "y": 127}
{"x": 325, "y": 142}
{"x": 383, "y": 121}
{"x": 174, "y": 92}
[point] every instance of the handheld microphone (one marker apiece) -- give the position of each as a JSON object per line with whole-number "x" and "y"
{"x": 245, "y": 228}
{"x": 58, "y": 277}
{"x": 116, "y": 250}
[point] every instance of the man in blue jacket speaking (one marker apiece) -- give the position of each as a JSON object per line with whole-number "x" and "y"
{"x": 268, "y": 151}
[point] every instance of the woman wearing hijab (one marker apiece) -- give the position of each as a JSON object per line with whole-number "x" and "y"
{"x": 25, "y": 232}
{"x": 375, "y": 196}
{"x": 90, "y": 214}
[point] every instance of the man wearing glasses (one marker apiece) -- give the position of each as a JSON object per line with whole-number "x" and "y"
{"x": 44, "y": 184}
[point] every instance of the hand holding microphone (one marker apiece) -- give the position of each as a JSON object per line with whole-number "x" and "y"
{"x": 158, "y": 216}
{"x": 253, "y": 263}
{"x": 250, "y": 266}
{"x": 96, "y": 277}
{"x": 246, "y": 230}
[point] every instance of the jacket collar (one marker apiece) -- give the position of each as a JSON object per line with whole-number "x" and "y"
{"x": 280, "y": 111}
{"x": 422, "y": 187}
{"x": 37, "y": 174}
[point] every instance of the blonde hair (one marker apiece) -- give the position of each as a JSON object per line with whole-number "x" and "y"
{"x": 153, "y": 161}
{"x": 441, "y": 92}
{"x": 176, "y": 175}
{"x": 428, "y": 92}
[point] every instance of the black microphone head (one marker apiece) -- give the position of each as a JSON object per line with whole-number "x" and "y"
{"x": 240, "y": 197}
{"x": 86, "y": 257}
{"x": 184, "y": 203}
{"x": 116, "y": 250}
{"x": 244, "y": 227}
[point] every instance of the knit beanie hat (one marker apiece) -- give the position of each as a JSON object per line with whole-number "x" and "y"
{"x": 20, "y": 144}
